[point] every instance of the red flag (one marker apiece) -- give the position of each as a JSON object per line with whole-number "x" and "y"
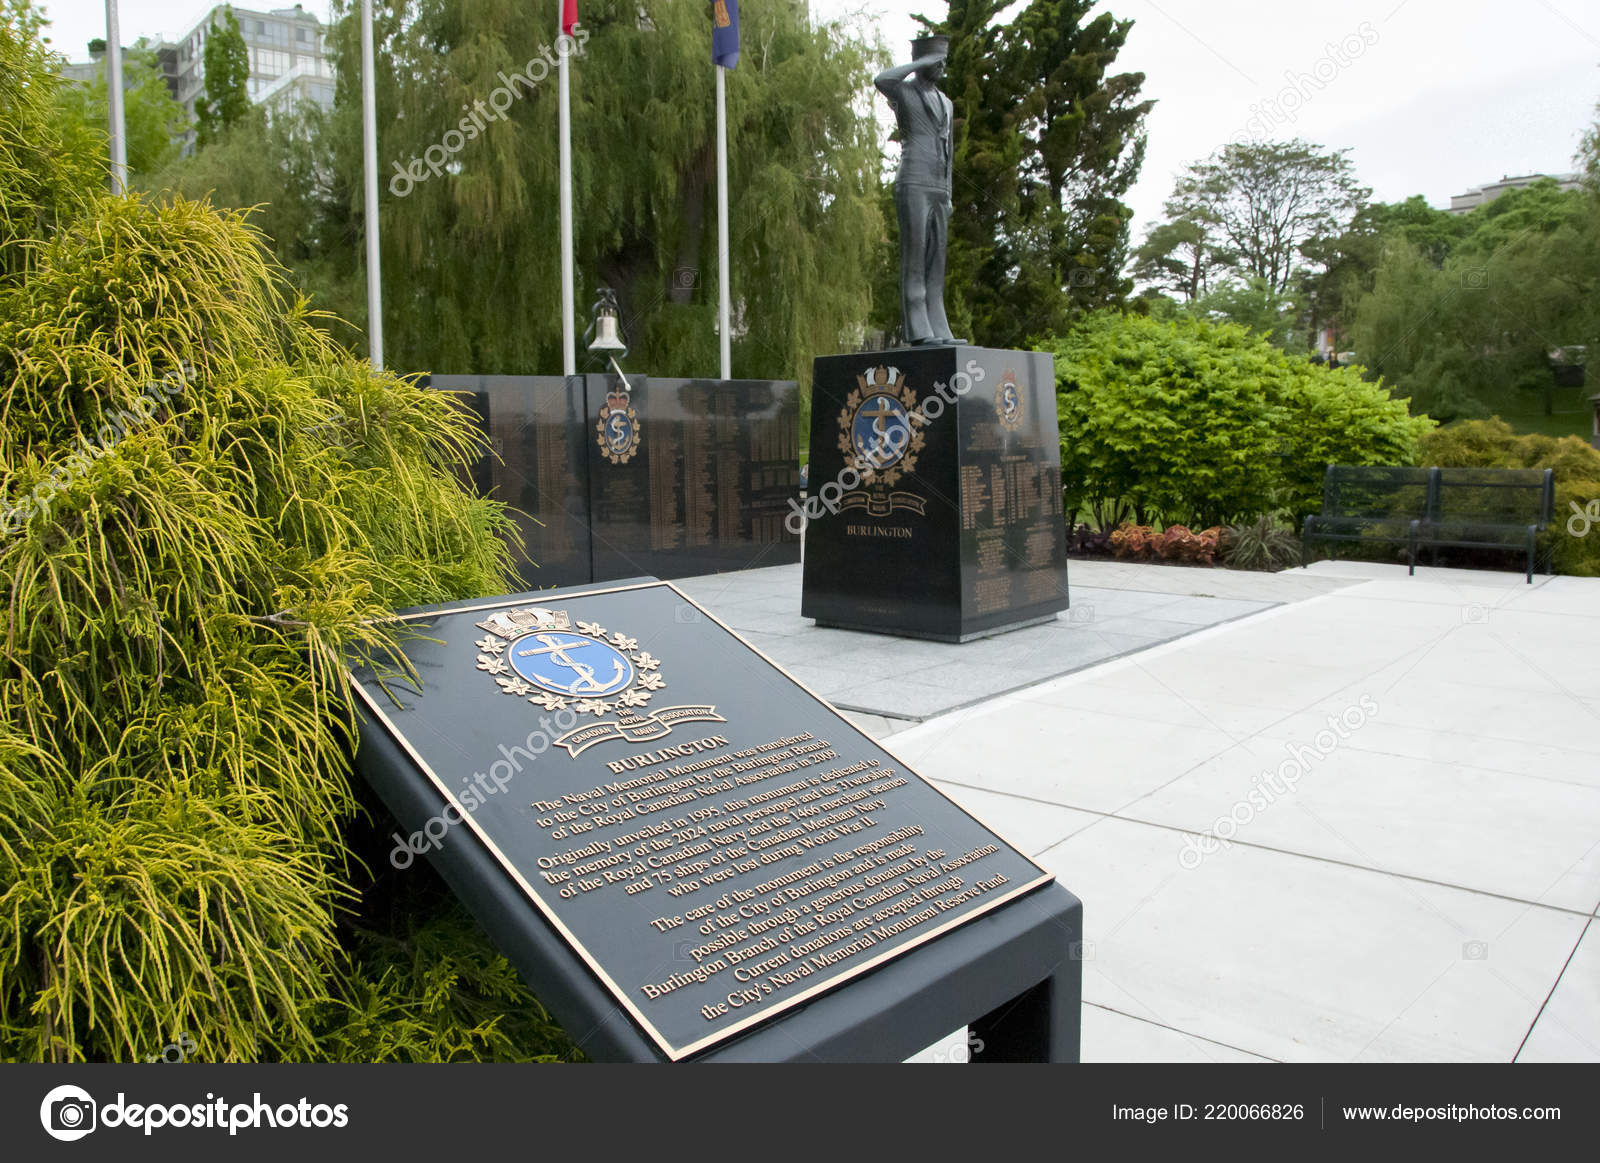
{"x": 569, "y": 15}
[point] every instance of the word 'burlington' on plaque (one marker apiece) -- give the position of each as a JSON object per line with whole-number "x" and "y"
{"x": 711, "y": 843}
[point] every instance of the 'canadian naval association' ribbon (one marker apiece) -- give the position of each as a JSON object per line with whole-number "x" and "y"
{"x": 641, "y": 729}
{"x": 881, "y": 506}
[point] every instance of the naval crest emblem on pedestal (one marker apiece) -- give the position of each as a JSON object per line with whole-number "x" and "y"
{"x": 1008, "y": 401}
{"x": 880, "y": 434}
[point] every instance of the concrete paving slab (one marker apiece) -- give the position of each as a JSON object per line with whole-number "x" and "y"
{"x": 1520, "y": 836}
{"x": 1426, "y": 892}
{"x": 1304, "y": 960}
{"x": 1031, "y": 826}
{"x": 1101, "y": 763}
{"x": 905, "y": 678}
{"x": 1109, "y": 1036}
{"x": 1569, "y": 1028}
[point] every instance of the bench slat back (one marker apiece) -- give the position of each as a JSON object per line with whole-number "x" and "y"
{"x": 1493, "y": 496}
{"x": 1360, "y": 491}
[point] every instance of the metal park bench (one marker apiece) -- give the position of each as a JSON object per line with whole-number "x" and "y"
{"x": 1467, "y": 508}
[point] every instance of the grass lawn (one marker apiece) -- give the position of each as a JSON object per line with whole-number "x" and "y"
{"x": 1561, "y": 423}
{"x": 1571, "y": 412}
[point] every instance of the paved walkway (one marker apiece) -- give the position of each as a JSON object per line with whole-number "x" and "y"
{"x": 1418, "y": 881}
{"x": 1362, "y": 824}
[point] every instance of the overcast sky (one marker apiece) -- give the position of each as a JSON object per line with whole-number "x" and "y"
{"x": 1431, "y": 96}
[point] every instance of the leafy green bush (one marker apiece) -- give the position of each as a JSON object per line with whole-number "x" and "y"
{"x": 43, "y": 174}
{"x": 1208, "y": 424}
{"x": 208, "y": 506}
{"x": 1337, "y": 417}
{"x": 1493, "y": 444}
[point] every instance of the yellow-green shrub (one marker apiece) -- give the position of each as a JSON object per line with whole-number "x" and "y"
{"x": 209, "y": 506}
{"x": 1493, "y": 444}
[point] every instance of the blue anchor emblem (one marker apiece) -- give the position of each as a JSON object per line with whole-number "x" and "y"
{"x": 881, "y": 431}
{"x": 570, "y": 664}
{"x": 619, "y": 430}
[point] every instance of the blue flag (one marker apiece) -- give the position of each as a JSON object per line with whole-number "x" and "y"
{"x": 725, "y": 32}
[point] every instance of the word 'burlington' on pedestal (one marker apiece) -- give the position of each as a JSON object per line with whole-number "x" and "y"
{"x": 686, "y": 854}
{"x": 935, "y": 493}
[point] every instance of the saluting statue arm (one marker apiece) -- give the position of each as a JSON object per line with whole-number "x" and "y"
{"x": 888, "y": 81}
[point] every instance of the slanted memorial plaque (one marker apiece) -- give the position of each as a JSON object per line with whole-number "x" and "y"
{"x": 714, "y": 843}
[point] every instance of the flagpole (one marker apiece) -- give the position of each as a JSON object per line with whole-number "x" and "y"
{"x": 119, "y": 132}
{"x": 369, "y": 163}
{"x": 569, "y": 338}
{"x": 725, "y": 295}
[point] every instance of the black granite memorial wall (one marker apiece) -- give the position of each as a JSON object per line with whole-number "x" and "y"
{"x": 683, "y": 477}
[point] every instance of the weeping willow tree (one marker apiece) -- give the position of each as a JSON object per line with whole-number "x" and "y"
{"x": 208, "y": 506}
{"x": 470, "y": 253}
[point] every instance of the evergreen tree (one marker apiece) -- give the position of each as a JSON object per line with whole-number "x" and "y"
{"x": 1472, "y": 335}
{"x": 1179, "y": 257}
{"x": 1047, "y": 144}
{"x": 1349, "y": 260}
{"x": 227, "y": 80}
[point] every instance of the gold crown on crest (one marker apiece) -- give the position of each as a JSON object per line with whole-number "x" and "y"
{"x": 514, "y": 623}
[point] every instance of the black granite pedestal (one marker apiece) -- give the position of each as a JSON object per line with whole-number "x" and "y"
{"x": 935, "y": 493}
